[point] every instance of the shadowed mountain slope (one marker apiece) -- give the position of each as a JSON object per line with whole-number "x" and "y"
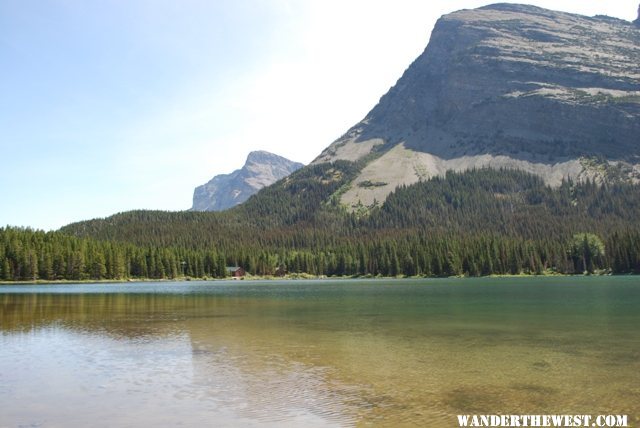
{"x": 515, "y": 86}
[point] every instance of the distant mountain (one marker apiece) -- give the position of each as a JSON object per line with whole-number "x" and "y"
{"x": 227, "y": 190}
{"x": 505, "y": 86}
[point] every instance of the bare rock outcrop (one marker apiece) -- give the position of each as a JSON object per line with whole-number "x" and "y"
{"x": 228, "y": 190}
{"x": 506, "y": 85}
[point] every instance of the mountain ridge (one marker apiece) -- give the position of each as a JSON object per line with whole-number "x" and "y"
{"x": 224, "y": 191}
{"x": 504, "y": 86}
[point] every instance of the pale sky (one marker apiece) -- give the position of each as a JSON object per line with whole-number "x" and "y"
{"x": 113, "y": 105}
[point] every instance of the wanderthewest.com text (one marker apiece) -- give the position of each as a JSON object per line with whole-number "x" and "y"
{"x": 542, "y": 421}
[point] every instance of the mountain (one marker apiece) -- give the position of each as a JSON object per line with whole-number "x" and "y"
{"x": 509, "y": 146}
{"x": 227, "y": 190}
{"x": 471, "y": 223}
{"x": 506, "y": 85}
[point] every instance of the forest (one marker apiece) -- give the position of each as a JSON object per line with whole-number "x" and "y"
{"x": 476, "y": 223}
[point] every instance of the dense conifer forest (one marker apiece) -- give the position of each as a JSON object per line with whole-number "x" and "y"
{"x": 474, "y": 223}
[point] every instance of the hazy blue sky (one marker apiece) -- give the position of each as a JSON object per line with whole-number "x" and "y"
{"x": 108, "y": 106}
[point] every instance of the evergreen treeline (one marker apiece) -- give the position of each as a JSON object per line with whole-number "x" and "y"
{"x": 27, "y": 255}
{"x": 474, "y": 223}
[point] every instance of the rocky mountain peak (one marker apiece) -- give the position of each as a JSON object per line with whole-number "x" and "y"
{"x": 637, "y": 21}
{"x": 224, "y": 191}
{"x": 504, "y": 86}
{"x": 261, "y": 156}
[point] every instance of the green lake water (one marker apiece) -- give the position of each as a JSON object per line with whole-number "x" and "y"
{"x": 317, "y": 353}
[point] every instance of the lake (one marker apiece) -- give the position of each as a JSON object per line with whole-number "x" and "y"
{"x": 317, "y": 353}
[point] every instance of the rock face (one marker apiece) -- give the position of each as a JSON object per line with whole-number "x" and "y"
{"x": 225, "y": 191}
{"x": 505, "y": 85}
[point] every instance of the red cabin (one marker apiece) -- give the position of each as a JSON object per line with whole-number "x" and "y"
{"x": 236, "y": 271}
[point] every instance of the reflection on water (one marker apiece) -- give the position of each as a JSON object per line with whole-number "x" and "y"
{"x": 317, "y": 353}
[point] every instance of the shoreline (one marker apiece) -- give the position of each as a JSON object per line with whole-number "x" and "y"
{"x": 295, "y": 277}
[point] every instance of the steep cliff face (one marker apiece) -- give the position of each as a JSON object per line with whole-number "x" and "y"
{"x": 511, "y": 86}
{"x": 225, "y": 191}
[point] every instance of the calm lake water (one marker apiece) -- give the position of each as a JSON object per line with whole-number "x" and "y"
{"x": 317, "y": 353}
